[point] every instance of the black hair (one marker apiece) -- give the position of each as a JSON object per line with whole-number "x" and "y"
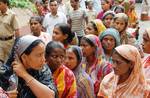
{"x": 66, "y": 29}
{"x": 52, "y": 1}
{"x": 30, "y": 48}
{"x": 5, "y": 2}
{"x": 51, "y": 46}
{"x": 88, "y": 41}
{"x": 37, "y": 18}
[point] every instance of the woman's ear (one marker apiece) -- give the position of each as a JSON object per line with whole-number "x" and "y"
{"x": 65, "y": 36}
{"x": 23, "y": 58}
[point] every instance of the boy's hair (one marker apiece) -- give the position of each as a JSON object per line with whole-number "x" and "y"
{"x": 5, "y": 2}
{"x": 52, "y": 1}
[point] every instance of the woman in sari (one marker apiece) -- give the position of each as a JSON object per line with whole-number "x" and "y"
{"x": 127, "y": 80}
{"x": 95, "y": 27}
{"x": 85, "y": 86}
{"x": 110, "y": 39}
{"x": 146, "y": 49}
{"x": 63, "y": 76}
{"x": 94, "y": 64}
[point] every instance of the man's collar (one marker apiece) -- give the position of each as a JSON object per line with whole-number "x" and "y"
{"x": 54, "y": 15}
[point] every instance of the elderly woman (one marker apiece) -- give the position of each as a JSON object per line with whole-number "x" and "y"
{"x": 34, "y": 78}
{"x": 127, "y": 80}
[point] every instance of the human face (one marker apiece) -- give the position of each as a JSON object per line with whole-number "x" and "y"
{"x": 108, "y": 43}
{"x": 120, "y": 65}
{"x": 58, "y": 35}
{"x": 71, "y": 60}
{"x": 74, "y": 4}
{"x": 108, "y": 20}
{"x": 105, "y": 5}
{"x": 87, "y": 49}
{"x": 53, "y": 7}
{"x": 35, "y": 27}
{"x": 119, "y": 24}
{"x": 56, "y": 58}
{"x": 3, "y": 7}
{"x": 36, "y": 59}
{"x": 90, "y": 29}
{"x": 146, "y": 43}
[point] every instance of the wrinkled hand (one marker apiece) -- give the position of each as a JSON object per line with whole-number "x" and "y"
{"x": 12, "y": 94}
{"x": 19, "y": 69}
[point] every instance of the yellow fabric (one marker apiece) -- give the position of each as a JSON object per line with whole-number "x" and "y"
{"x": 100, "y": 26}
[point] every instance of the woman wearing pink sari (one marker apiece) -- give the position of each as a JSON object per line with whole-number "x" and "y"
{"x": 127, "y": 80}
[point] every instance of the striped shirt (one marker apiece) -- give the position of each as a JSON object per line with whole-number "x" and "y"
{"x": 77, "y": 18}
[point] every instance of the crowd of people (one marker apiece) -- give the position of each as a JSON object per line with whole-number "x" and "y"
{"x": 76, "y": 49}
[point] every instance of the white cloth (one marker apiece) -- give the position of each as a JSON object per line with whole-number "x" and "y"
{"x": 50, "y": 21}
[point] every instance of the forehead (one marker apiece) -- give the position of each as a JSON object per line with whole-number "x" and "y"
{"x": 120, "y": 20}
{"x": 109, "y": 37}
{"x": 57, "y": 51}
{"x": 39, "y": 48}
{"x": 53, "y": 3}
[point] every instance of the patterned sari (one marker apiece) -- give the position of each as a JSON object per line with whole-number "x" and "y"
{"x": 134, "y": 87}
{"x": 100, "y": 67}
{"x": 65, "y": 82}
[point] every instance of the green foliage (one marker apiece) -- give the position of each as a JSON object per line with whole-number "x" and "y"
{"x": 23, "y": 4}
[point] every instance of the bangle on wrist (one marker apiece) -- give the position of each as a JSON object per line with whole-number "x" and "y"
{"x": 29, "y": 81}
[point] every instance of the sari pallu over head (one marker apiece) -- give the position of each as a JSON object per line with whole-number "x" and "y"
{"x": 134, "y": 86}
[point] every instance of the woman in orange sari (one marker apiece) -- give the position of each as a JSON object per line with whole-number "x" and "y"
{"x": 127, "y": 80}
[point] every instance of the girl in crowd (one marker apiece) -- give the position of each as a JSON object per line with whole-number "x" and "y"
{"x": 119, "y": 9}
{"x": 128, "y": 79}
{"x": 110, "y": 39}
{"x": 120, "y": 22}
{"x": 85, "y": 86}
{"x": 62, "y": 33}
{"x": 95, "y": 27}
{"x": 106, "y": 5}
{"x": 146, "y": 49}
{"x": 35, "y": 79}
{"x": 94, "y": 64}
{"x": 36, "y": 29}
{"x": 63, "y": 77}
{"x": 107, "y": 18}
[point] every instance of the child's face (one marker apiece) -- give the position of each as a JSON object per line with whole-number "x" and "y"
{"x": 105, "y": 6}
{"x": 74, "y": 4}
{"x": 108, "y": 20}
{"x": 119, "y": 24}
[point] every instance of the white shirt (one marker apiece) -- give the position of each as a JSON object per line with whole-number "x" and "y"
{"x": 50, "y": 21}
